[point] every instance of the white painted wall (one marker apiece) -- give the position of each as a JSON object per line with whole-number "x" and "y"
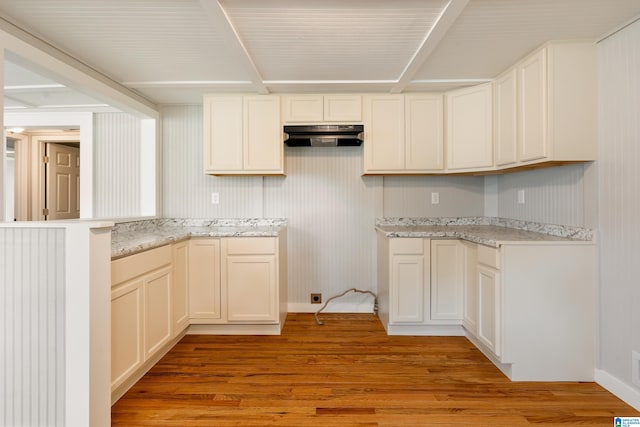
{"x": 619, "y": 211}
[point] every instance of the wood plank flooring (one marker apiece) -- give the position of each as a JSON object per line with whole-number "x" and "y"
{"x": 349, "y": 373}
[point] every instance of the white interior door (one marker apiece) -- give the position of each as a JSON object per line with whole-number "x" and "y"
{"x": 62, "y": 182}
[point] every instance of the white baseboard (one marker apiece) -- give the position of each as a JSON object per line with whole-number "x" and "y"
{"x": 349, "y": 303}
{"x": 622, "y": 390}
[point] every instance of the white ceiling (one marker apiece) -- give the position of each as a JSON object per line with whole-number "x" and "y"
{"x": 173, "y": 51}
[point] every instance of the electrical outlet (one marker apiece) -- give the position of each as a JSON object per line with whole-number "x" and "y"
{"x": 521, "y": 197}
{"x": 215, "y": 198}
{"x": 435, "y": 198}
{"x": 316, "y": 298}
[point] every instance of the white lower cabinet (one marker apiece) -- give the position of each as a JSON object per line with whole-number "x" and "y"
{"x": 488, "y": 320}
{"x": 141, "y": 311}
{"x": 469, "y": 289}
{"x": 535, "y": 310}
{"x": 180, "y": 289}
{"x": 419, "y": 286}
{"x": 250, "y": 277}
{"x": 204, "y": 280}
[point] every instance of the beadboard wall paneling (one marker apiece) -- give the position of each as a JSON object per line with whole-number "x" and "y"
{"x": 186, "y": 189}
{"x": 551, "y": 195}
{"x": 32, "y": 327}
{"x": 411, "y": 196}
{"x": 116, "y": 165}
{"x": 619, "y": 204}
{"x": 331, "y": 211}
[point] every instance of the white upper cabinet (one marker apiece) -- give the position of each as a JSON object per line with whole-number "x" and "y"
{"x": 384, "y": 133}
{"x": 243, "y": 135}
{"x": 469, "y": 128}
{"x": 321, "y": 108}
{"x": 505, "y": 118}
{"x": 424, "y": 139}
{"x": 403, "y": 134}
{"x": 557, "y": 103}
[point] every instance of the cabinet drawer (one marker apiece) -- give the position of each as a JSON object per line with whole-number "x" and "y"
{"x": 134, "y": 265}
{"x": 251, "y": 245}
{"x": 489, "y": 256}
{"x": 400, "y": 246}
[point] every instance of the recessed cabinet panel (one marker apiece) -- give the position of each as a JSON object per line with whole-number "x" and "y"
{"x": 204, "y": 279}
{"x": 251, "y": 288}
{"x": 469, "y": 128}
{"x": 407, "y": 292}
{"x": 126, "y": 331}
{"x": 223, "y": 133}
{"x": 384, "y": 133}
{"x": 157, "y": 310}
{"x": 446, "y": 280}
{"x": 424, "y": 140}
{"x": 505, "y": 118}
{"x": 489, "y": 308}
{"x": 180, "y": 288}
{"x": 532, "y": 125}
{"x": 343, "y": 108}
{"x": 302, "y": 108}
{"x": 263, "y": 147}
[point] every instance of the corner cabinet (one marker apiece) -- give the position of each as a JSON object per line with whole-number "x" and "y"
{"x": 403, "y": 134}
{"x": 534, "y": 312}
{"x": 557, "y": 103}
{"x": 243, "y": 135}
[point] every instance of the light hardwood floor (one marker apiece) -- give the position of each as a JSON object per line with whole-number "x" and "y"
{"x": 349, "y": 373}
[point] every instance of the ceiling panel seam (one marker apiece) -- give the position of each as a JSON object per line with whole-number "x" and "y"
{"x": 221, "y": 21}
{"x": 449, "y": 14}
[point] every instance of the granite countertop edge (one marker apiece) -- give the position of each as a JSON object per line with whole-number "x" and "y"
{"x": 132, "y": 237}
{"x": 489, "y": 231}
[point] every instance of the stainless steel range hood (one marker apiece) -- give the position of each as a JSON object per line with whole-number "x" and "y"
{"x": 323, "y": 135}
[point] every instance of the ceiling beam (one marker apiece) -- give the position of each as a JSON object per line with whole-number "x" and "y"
{"x": 449, "y": 14}
{"x": 221, "y": 22}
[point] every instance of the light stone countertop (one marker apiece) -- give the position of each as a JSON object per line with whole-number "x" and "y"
{"x": 137, "y": 236}
{"x": 486, "y": 231}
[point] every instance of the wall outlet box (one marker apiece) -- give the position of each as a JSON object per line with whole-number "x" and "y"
{"x": 316, "y": 298}
{"x": 215, "y": 198}
{"x": 521, "y": 197}
{"x": 435, "y": 198}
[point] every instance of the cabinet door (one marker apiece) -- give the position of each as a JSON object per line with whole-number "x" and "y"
{"x": 157, "y": 310}
{"x": 446, "y": 280}
{"x": 222, "y": 134}
{"x": 204, "y": 279}
{"x": 180, "y": 288}
{"x": 470, "y": 287}
{"x": 342, "y": 108}
{"x": 252, "y": 290}
{"x": 263, "y": 145}
{"x": 406, "y": 291}
{"x": 505, "y": 118}
{"x": 532, "y": 112}
{"x": 469, "y": 128}
{"x": 384, "y": 133}
{"x": 126, "y": 331}
{"x": 489, "y": 308}
{"x": 302, "y": 108}
{"x": 424, "y": 141}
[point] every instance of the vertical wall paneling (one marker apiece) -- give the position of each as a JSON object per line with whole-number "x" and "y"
{"x": 410, "y": 196}
{"x": 117, "y": 157}
{"x": 186, "y": 188}
{"x": 619, "y": 205}
{"x": 552, "y": 195}
{"x": 32, "y": 326}
{"x": 331, "y": 211}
